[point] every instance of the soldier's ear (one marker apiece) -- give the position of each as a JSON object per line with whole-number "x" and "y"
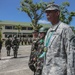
{"x": 58, "y": 13}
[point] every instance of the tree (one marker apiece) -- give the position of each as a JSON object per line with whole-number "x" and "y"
{"x": 66, "y": 16}
{"x": 34, "y": 11}
{"x": 18, "y": 27}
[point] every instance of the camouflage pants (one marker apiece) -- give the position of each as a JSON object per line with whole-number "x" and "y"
{"x": 39, "y": 66}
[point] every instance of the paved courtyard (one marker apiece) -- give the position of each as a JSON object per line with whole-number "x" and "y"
{"x": 15, "y": 66}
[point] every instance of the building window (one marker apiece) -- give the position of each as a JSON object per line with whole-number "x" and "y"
{"x": 8, "y": 27}
{"x": 14, "y": 27}
{"x": 30, "y": 28}
{"x": 23, "y": 28}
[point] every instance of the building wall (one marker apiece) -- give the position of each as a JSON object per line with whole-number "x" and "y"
{"x": 8, "y": 28}
{"x": 24, "y": 33}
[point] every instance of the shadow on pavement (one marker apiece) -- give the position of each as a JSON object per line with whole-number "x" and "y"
{"x": 12, "y": 57}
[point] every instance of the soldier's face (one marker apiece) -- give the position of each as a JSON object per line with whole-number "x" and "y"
{"x": 51, "y": 15}
{"x": 41, "y": 35}
{"x": 35, "y": 34}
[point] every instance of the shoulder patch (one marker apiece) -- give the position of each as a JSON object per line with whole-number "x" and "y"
{"x": 72, "y": 40}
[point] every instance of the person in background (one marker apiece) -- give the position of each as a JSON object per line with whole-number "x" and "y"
{"x": 8, "y": 45}
{"x": 25, "y": 41}
{"x": 15, "y": 46}
{"x": 35, "y": 35}
{"x": 60, "y": 45}
{"x": 0, "y": 47}
{"x": 32, "y": 59}
{"x": 39, "y": 51}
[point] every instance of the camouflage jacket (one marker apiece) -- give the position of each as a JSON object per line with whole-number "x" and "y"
{"x": 36, "y": 51}
{"x": 1, "y": 44}
{"x": 15, "y": 42}
{"x": 8, "y": 42}
{"x": 33, "y": 55}
{"x": 60, "y": 56}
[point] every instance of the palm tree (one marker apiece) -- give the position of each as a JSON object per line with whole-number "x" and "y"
{"x": 18, "y": 27}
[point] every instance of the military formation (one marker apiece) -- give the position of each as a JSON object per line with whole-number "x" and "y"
{"x": 14, "y": 44}
{"x": 26, "y": 41}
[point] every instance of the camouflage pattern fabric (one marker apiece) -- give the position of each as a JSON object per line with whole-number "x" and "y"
{"x": 33, "y": 56}
{"x": 60, "y": 56}
{"x": 35, "y": 63}
{"x": 0, "y": 45}
{"x": 8, "y": 42}
{"x": 40, "y": 61}
{"x": 15, "y": 42}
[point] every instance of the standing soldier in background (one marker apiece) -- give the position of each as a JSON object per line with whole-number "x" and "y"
{"x": 32, "y": 59}
{"x": 25, "y": 40}
{"x": 28, "y": 41}
{"x": 15, "y": 46}
{"x": 8, "y": 45}
{"x": 15, "y": 41}
{"x": 60, "y": 45}
{"x": 35, "y": 35}
{"x": 0, "y": 47}
{"x": 40, "y": 50}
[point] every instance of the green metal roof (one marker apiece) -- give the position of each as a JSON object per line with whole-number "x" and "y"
{"x": 20, "y": 23}
{"x": 14, "y": 23}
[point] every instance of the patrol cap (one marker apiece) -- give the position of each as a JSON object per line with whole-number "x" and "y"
{"x": 52, "y": 6}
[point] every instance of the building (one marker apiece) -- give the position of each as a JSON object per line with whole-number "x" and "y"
{"x": 8, "y": 28}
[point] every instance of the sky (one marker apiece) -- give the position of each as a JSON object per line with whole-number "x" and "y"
{"x": 9, "y": 11}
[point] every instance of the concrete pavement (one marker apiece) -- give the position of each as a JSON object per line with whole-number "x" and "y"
{"x": 15, "y": 66}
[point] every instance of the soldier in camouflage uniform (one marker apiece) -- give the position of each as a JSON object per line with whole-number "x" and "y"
{"x": 32, "y": 59}
{"x": 15, "y": 46}
{"x": 8, "y": 45}
{"x": 0, "y": 47}
{"x": 40, "y": 50}
{"x": 15, "y": 41}
{"x": 60, "y": 45}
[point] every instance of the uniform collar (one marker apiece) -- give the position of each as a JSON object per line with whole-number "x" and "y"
{"x": 54, "y": 28}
